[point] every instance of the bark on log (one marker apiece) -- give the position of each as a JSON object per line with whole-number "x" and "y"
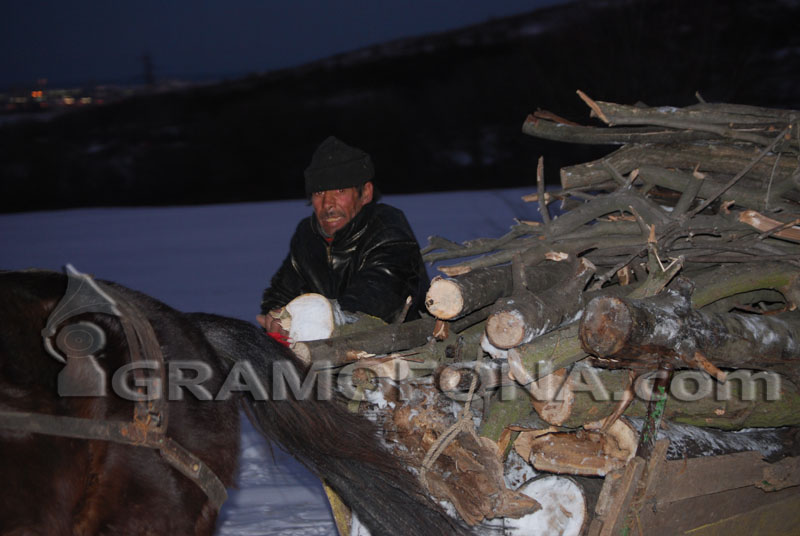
{"x": 749, "y": 399}
{"x": 732, "y": 280}
{"x": 382, "y": 340}
{"x": 551, "y": 130}
{"x": 452, "y": 298}
{"x": 536, "y": 254}
{"x": 526, "y": 315}
{"x": 709, "y": 113}
{"x": 622, "y": 201}
{"x": 639, "y": 333}
{"x": 718, "y": 122}
{"x": 477, "y": 246}
{"x": 749, "y": 198}
{"x": 723, "y": 159}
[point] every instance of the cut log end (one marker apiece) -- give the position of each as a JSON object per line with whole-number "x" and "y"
{"x": 444, "y": 299}
{"x": 605, "y": 326}
{"x": 563, "y": 509}
{"x": 585, "y": 452}
{"x": 506, "y": 329}
{"x": 311, "y": 318}
{"x": 449, "y": 379}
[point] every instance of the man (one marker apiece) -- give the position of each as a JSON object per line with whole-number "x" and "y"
{"x": 352, "y": 249}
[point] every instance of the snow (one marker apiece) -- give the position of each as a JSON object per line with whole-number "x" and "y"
{"x": 691, "y": 441}
{"x": 218, "y": 259}
{"x": 516, "y": 471}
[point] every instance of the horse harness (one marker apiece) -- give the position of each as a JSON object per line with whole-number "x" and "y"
{"x": 148, "y": 428}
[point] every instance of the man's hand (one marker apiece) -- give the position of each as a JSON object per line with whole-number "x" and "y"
{"x": 271, "y": 323}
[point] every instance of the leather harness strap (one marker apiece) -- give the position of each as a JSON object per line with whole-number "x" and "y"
{"x": 149, "y": 425}
{"x": 121, "y": 432}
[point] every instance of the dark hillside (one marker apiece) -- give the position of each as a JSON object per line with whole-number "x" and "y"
{"x": 438, "y": 112}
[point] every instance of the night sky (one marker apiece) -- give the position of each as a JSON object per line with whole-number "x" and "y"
{"x": 72, "y": 43}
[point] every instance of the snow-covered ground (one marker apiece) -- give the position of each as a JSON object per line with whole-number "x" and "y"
{"x": 218, "y": 259}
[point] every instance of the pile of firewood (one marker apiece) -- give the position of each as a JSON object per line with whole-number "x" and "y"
{"x": 665, "y": 290}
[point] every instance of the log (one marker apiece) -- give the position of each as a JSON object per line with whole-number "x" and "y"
{"x": 651, "y": 213}
{"x": 747, "y": 400}
{"x": 526, "y": 315}
{"x": 708, "y": 186}
{"x": 642, "y": 332}
{"x": 338, "y": 351}
{"x": 708, "y": 113}
{"x": 734, "y": 280}
{"x": 477, "y": 246}
{"x": 721, "y": 159}
{"x": 543, "y": 249}
{"x": 563, "y": 348}
{"x": 718, "y": 122}
{"x": 452, "y": 298}
{"x": 555, "y": 131}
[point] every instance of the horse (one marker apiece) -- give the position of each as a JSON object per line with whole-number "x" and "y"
{"x": 78, "y": 457}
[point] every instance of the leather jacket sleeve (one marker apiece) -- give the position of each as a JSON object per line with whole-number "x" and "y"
{"x": 285, "y": 285}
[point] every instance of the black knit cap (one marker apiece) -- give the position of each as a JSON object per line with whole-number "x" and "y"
{"x": 336, "y": 165}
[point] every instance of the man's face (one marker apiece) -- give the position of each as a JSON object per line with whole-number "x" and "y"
{"x": 335, "y": 208}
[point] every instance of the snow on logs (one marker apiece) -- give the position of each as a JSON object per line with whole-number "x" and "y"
{"x": 667, "y": 327}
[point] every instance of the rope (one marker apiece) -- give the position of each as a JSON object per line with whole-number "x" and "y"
{"x": 463, "y": 424}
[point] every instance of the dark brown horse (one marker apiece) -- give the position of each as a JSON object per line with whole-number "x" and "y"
{"x": 106, "y": 464}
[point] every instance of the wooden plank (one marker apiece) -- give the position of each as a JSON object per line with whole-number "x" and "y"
{"x": 604, "y": 501}
{"x": 608, "y": 492}
{"x": 626, "y": 486}
{"x": 595, "y": 527}
{"x": 778, "y": 518}
{"x": 683, "y": 479}
{"x": 653, "y": 471}
{"x": 780, "y": 475}
{"x": 738, "y": 512}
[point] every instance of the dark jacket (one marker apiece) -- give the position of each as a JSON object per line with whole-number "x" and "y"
{"x": 372, "y": 265}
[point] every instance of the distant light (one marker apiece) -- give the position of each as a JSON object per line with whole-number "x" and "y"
{"x": 38, "y": 94}
{"x": 69, "y": 101}
{"x": 86, "y": 100}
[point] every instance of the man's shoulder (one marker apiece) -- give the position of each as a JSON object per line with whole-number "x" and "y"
{"x": 388, "y": 224}
{"x": 390, "y": 216}
{"x": 304, "y": 230}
